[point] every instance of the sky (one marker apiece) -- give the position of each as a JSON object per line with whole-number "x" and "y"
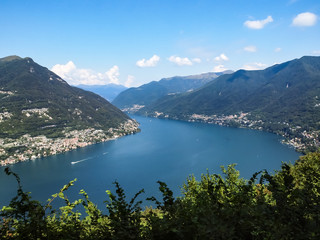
{"x": 133, "y": 42}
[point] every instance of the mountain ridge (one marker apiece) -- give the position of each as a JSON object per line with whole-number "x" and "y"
{"x": 153, "y": 91}
{"x": 284, "y": 96}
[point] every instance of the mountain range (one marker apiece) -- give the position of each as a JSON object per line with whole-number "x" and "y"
{"x": 284, "y": 98}
{"x": 153, "y": 91}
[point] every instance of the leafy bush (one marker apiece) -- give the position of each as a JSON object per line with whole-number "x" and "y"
{"x": 280, "y": 206}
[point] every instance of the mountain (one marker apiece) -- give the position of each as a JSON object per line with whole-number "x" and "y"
{"x": 153, "y": 91}
{"x": 285, "y": 98}
{"x": 37, "y": 102}
{"x": 108, "y": 91}
{"x": 25, "y": 85}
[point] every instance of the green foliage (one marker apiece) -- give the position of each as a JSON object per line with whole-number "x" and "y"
{"x": 280, "y": 206}
{"x": 23, "y": 218}
{"x": 125, "y": 219}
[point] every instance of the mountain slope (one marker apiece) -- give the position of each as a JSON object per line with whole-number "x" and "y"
{"x": 26, "y": 85}
{"x": 35, "y": 101}
{"x": 153, "y": 91}
{"x": 282, "y": 96}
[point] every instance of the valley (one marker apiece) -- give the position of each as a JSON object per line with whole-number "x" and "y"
{"x": 153, "y": 120}
{"x": 282, "y": 99}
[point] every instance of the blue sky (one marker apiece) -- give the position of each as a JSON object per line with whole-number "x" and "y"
{"x": 134, "y": 42}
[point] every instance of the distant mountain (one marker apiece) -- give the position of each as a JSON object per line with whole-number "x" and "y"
{"x": 285, "y": 97}
{"x": 36, "y": 101}
{"x": 108, "y": 92}
{"x": 153, "y": 91}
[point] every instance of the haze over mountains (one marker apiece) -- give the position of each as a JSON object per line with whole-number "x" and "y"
{"x": 109, "y": 91}
{"x": 153, "y": 91}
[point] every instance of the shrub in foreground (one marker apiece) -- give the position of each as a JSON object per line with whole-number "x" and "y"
{"x": 281, "y": 206}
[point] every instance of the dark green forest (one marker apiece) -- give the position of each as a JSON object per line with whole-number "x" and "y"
{"x": 285, "y": 205}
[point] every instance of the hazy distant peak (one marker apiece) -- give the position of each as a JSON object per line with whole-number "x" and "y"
{"x": 153, "y": 91}
{"x": 10, "y": 58}
{"x": 200, "y": 76}
{"x": 227, "y": 72}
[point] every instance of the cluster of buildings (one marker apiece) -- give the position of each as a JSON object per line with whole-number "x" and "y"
{"x": 240, "y": 120}
{"x": 5, "y": 116}
{"x": 42, "y": 112}
{"x": 28, "y": 147}
{"x": 133, "y": 109}
{"x": 295, "y": 136}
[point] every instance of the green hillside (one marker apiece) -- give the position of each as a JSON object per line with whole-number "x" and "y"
{"x": 284, "y": 97}
{"x": 153, "y": 91}
{"x": 37, "y": 101}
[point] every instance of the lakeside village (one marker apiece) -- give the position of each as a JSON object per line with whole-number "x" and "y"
{"x": 295, "y": 136}
{"x": 29, "y": 148}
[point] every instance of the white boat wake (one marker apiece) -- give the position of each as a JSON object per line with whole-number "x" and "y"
{"x": 85, "y": 159}
{"x": 82, "y": 160}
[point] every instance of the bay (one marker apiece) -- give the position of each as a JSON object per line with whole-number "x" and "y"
{"x": 164, "y": 150}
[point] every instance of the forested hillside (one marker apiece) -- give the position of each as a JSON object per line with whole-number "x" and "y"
{"x": 26, "y": 85}
{"x": 284, "y": 98}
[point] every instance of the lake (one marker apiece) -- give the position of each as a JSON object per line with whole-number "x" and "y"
{"x": 164, "y": 150}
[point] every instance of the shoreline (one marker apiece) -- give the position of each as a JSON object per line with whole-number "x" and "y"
{"x": 301, "y": 140}
{"x": 29, "y": 148}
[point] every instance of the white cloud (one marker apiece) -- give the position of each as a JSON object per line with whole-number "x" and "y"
{"x": 254, "y": 66}
{"x": 76, "y": 76}
{"x": 278, "y": 49}
{"x": 63, "y": 70}
{"x": 113, "y": 74}
{"x": 306, "y": 19}
{"x": 152, "y": 62}
{"x": 180, "y": 61}
{"x": 258, "y": 24}
{"x": 250, "y": 49}
{"x": 221, "y": 57}
{"x": 196, "y": 60}
{"x": 129, "y": 81}
{"x": 219, "y": 68}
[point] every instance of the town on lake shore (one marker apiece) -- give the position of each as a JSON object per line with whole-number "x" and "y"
{"x": 28, "y": 148}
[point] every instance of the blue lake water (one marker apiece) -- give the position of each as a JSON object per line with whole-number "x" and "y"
{"x": 164, "y": 150}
